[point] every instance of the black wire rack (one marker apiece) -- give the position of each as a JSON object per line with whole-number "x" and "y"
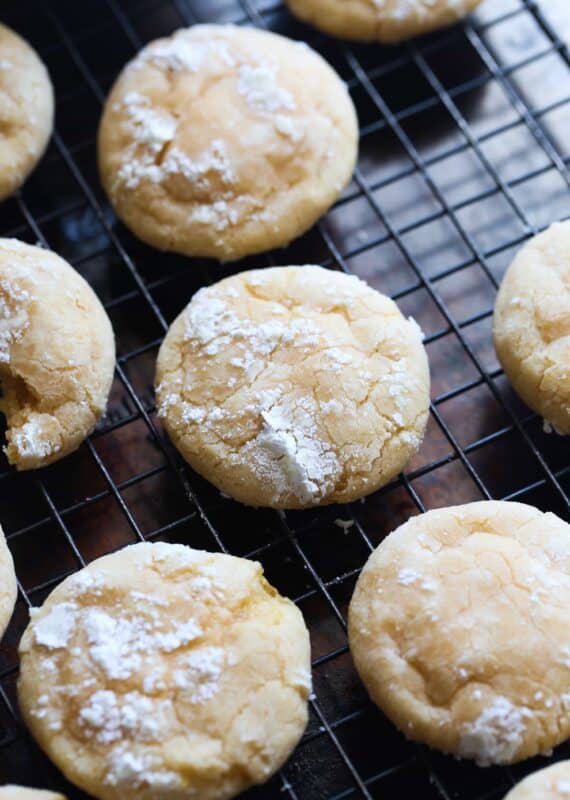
{"x": 464, "y": 154}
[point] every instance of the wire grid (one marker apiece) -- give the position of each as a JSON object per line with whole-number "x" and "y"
{"x": 463, "y": 157}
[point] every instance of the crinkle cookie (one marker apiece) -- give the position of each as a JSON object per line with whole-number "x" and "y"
{"x": 23, "y": 793}
{"x": 26, "y": 110}
{"x": 532, "y": 325}
{"x": 380, "y": 20}
{"x": 8, "y": 588}
{"x": 57, "y": 355}
{"x": 458, "y": 627}
{"x": 223, "y": 141}
{"x": 166, "y": 672}
{"x": 550, "y": 783}
{"x": 293, "y": 387}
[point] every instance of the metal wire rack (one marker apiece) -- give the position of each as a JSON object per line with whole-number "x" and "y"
{"x": 464, "y": 154}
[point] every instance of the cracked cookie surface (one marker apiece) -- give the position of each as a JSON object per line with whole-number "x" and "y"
{"x": 551, "y": 783}
{"x": 26, "y": 110}
{"x": 224, "y": 141}
{"x": 458, "y": 627}
{"x": 57, "y": 355}
{"x": 294, "y": 386}
{"x": 162, "y": 671}
{"x": 380, "y": 20}
{"x": 8, "y": 588}
{"x": 531, "y": 325}
{"x": 23, "y": 793}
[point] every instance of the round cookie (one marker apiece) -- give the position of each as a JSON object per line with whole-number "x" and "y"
{"x": 550, "y": 783}
{"x": 57, "y": 355}
{"x": 385, "y": 21}
{"x": 224, "y": 141}
{"x": 8, "y": 587}
{"x": 23, "y": 793}
{"x": 458, "y": 627}
{"x": 162, "y": 671}
{"x": 26, "y": 110}
{"x": 531, "y": 325}
{"x": 294, "y": 386}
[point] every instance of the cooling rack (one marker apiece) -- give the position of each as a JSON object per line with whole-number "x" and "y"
{"x": 464, "y": 155}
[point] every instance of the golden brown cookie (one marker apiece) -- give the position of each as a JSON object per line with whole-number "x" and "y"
{"x": 162, "y": 671}
{"x": 293, "y": 387}
{"x": 26, "y": 110}
{"x": 57, "y": 355}
{"x": 385, "y": 21}
{"x": 458, "y": 627}
{"x": 532, "y": 325}
{"x": 225, "y": 141}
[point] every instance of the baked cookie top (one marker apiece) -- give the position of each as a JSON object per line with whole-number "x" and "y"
{"x": 380, "y": 20}
{"x": 166, "y": 671}
{"x": 224, "y": 141}
{"x": 531, "y": 325}
{"x": 26, "y": 110}
{"x": 294, "y": 386}
{"x": 57, "y": 355}
{"x": 458, "y": 627}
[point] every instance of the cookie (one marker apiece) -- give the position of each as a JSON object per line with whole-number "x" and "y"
{"x": 57, "y": 355}
{"x": 8, "y": 588}
{"x": 531, "y": 325}
{"x": 294, "y": 386}
{"x": 458, "y": 627}
{"x": 23, "y": 793}
{"x": 551, "y": 783}
{"x": 385, "y": 21}
{"x": 162, "y": 671}
{"x": 26, "y": 110}
{"x": 224, "y": 141}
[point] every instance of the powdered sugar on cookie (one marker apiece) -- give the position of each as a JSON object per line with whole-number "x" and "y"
{"x": 159, "y": 650}
{"x": 496, "y": 735}
{"x": 299, "y": 378}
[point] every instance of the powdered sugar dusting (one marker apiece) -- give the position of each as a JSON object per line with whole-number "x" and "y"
{"x": 32, "y": 440}
{"x": 402, "y": 10}
{"x": 496, "y": 735}
{"x": 151, "y": 129}
{"x": 135, "y": 770}
{"x": 108, "y": 718}
{"x": 199, "y": 672}
{"x": 183, "y": 53}
{"x": 14, "y": 319}
{"x": 53, "y": 630}
{"x": 258, "y": 85}
{"x": 154, "y": 158}
{"x": 118, "y": 646}
{"x": 290, "y": 450}
{"x": 407, "y": 576}
{"x": 212, "y": 322}
{"x": 149, "y": 125}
